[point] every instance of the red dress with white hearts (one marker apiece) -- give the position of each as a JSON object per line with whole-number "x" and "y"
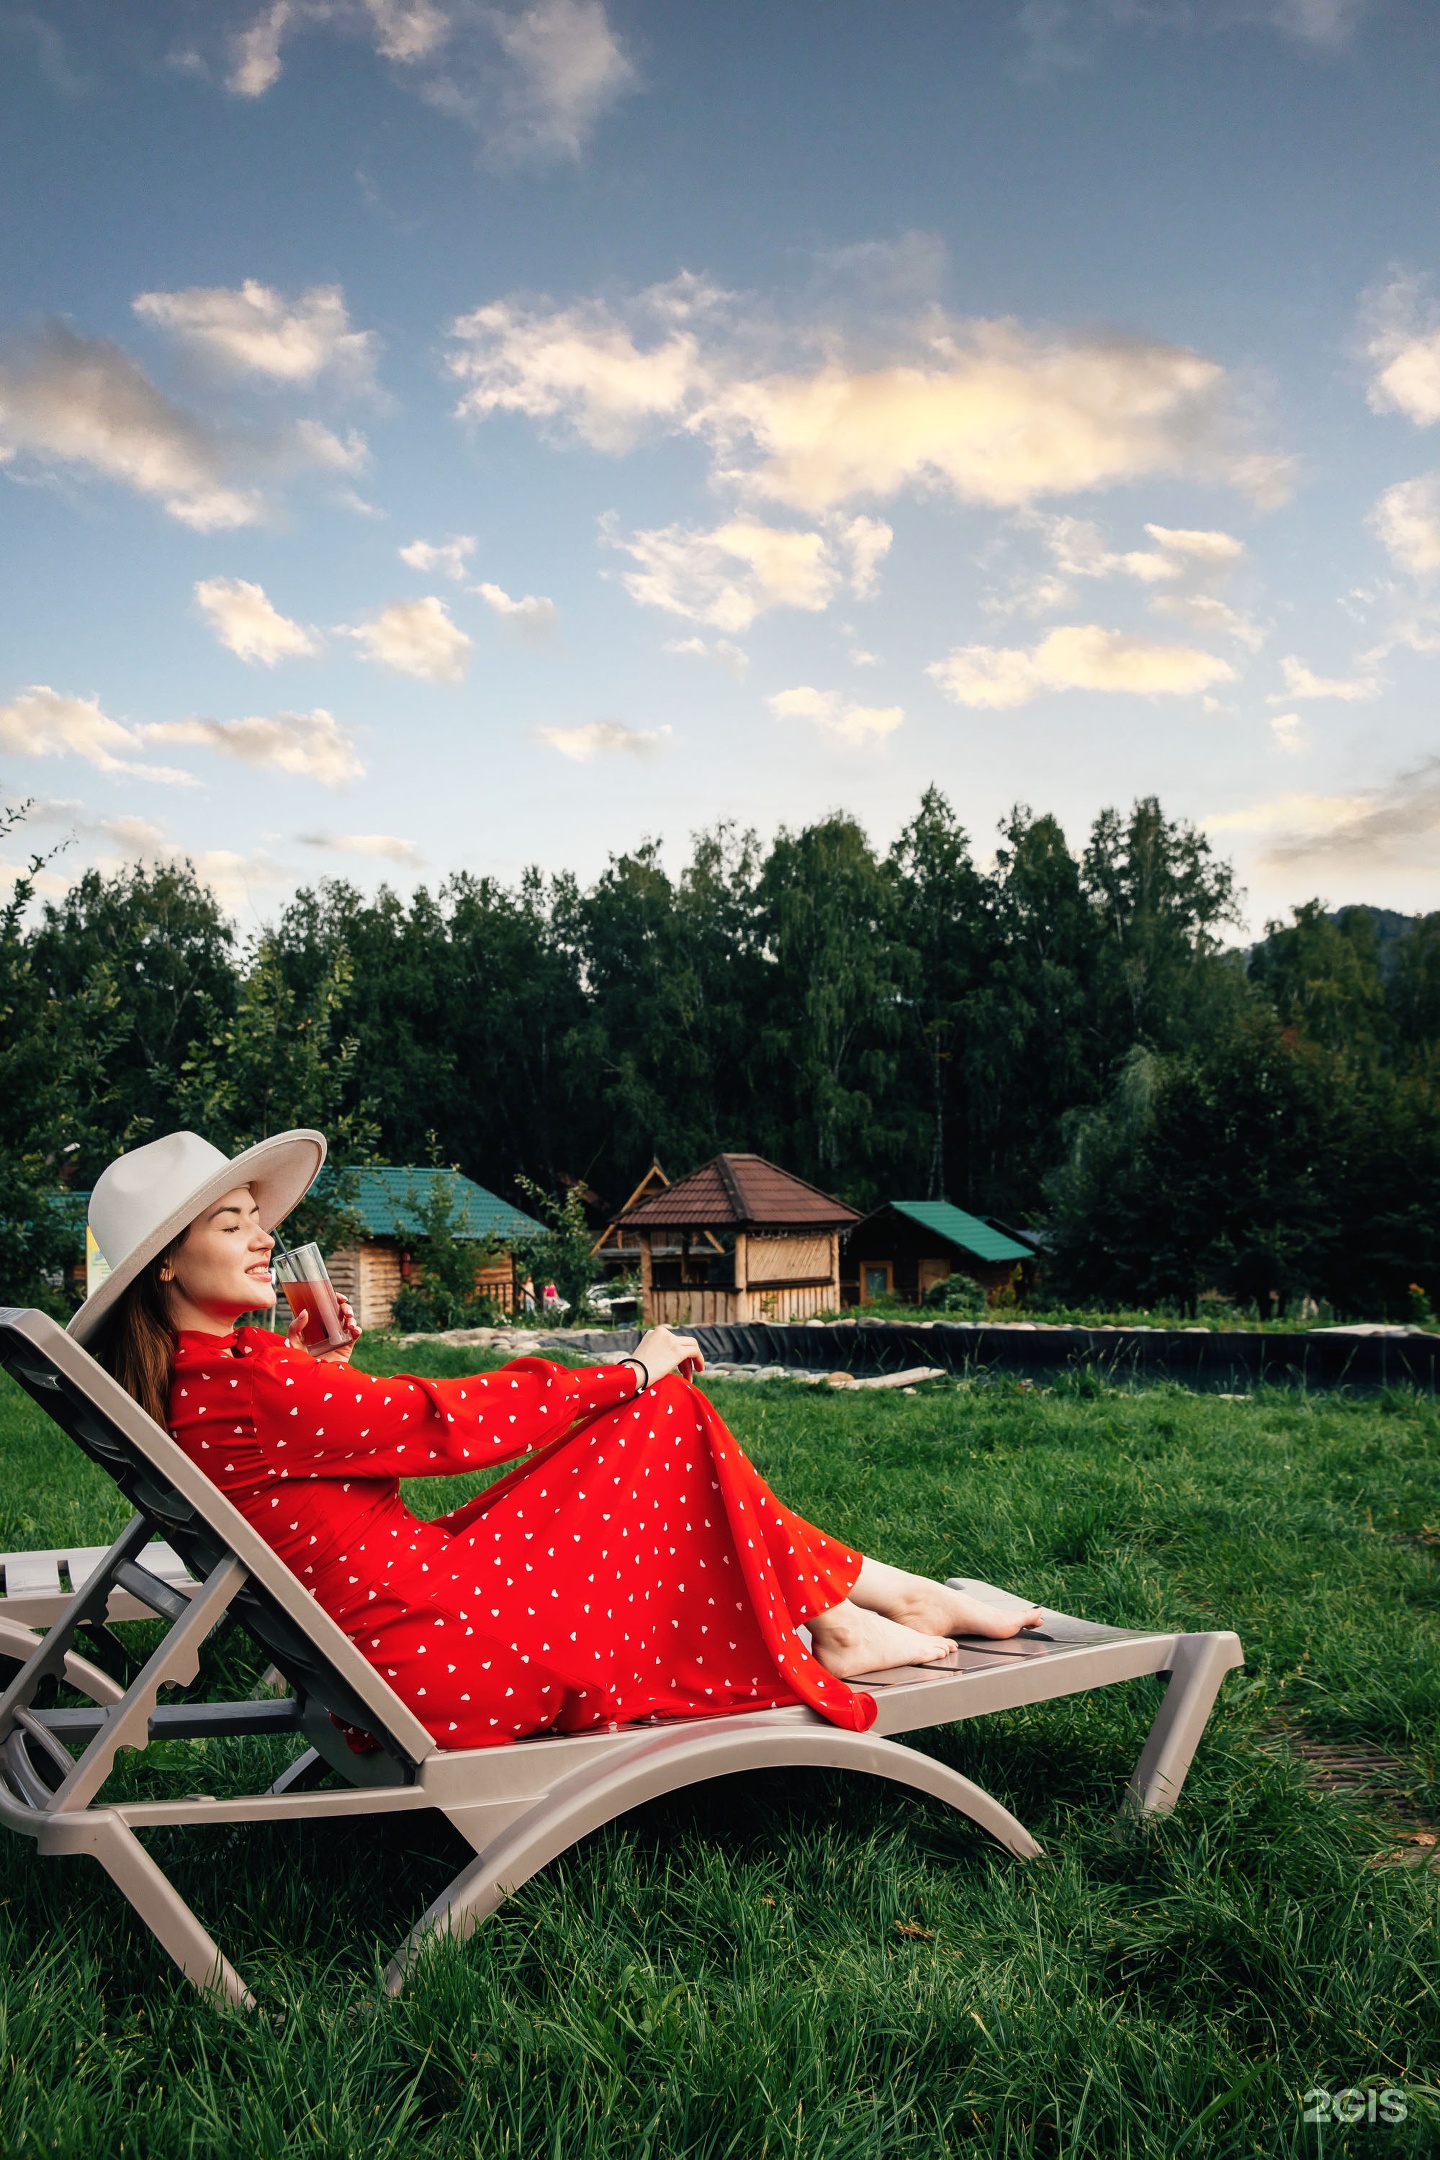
{"x": 636, "y": 1567}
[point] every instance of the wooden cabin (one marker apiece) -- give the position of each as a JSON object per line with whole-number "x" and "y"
{"x": 738, "y": 1240}
{"x": 370, "y": 1273}
{"x": 906, "y": 1247}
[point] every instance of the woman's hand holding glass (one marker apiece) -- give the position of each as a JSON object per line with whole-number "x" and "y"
{"x": 295, "y": 1336}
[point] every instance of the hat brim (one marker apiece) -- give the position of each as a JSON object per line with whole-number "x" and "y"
{"x": 279, "y": 1171}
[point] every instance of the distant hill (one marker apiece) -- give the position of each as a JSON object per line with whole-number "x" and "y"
{"x": 1388, "y": 923}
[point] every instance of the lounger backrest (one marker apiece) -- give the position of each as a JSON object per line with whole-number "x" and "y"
{"x": 194, "y": 1516}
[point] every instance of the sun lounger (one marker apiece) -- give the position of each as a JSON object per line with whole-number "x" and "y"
{"x": 519, "y": 1807}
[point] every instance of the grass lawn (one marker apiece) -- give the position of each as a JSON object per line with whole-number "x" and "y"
{"x": 801, "y": 1965}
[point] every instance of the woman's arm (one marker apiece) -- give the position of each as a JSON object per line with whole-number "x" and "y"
{"x": 318, "y": 1419}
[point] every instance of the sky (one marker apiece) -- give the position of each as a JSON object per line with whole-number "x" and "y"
{"x": 443, "y": 436}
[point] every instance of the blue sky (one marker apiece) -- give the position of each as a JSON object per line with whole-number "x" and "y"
{"x": 444, "y": 436}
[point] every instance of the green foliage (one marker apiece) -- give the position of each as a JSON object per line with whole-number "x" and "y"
{"x": 1052, "y": 1033}
{"x": 1260, "y": 1165}
{"x": 562, "y": 1254}
{"x": 441, "y": 1290}
{"x": 281, "y": 1059}
{"x": 55, "y": 1094}
{"x": 160, "y": 939}
{"x": 958, "y": 1297}
{"x": 809, "y": 1966}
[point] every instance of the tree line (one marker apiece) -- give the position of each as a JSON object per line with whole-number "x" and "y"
{"x": 1070, "y": 1040}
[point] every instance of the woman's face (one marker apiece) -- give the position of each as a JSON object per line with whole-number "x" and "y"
{"x": 221, "y": 1268}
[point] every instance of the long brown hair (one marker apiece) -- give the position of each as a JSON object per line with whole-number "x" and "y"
{"x": 139, "y": 1345}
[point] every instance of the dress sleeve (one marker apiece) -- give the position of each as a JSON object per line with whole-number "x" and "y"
{"x": 317, "y": 1420}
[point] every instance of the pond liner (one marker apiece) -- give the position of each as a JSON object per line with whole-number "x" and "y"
{"x": 1216, "y": 1361}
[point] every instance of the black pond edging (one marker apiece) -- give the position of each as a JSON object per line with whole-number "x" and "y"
{"x": 1213, "y": 1361}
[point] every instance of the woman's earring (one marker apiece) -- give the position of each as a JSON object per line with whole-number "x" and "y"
{"x": 167, "y": 1274}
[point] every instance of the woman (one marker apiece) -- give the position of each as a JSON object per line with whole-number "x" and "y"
{"x": 636, "y": 1566}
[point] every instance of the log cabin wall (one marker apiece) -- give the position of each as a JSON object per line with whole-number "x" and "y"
{"x": 370, "y": 1275}
{"x": 916, "y": 1259}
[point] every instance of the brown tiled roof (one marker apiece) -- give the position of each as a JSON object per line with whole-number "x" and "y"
{"x": 741, "y": 1192}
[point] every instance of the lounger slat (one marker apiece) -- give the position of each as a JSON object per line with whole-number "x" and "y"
{"x": 84, "y": 1559}
{"x": 32, "y": 1574}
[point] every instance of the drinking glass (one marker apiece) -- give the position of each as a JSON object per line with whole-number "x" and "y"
{"x": 302, "y": 1275}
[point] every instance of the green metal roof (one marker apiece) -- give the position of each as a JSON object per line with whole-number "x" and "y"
{"x": 967, "y": 1231}
{"x": 384, "y": 1194}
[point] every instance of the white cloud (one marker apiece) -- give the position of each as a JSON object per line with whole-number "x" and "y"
{"x": 836, "y": 715}
{"x": 133, "y": 835}
{"x": 1302, "y": 682}
{"x": 415, "y": 637}
{"x": 603, "y": 738}
{"x": 1406, "y": 522}
{"x": 253, "y": 330}
{"x": 1204, "y": 550}
{"x": 568, "y": 68}
{"x": 1203, "y": 611}
{"x": 733, "y": 658}
{"x": 246, "y": 624}
{"x": 383, "y": 846}
{"x": 1063, "y": 35}
{"x": 318, "y": 445}
{"x": 1404, "y": 343}
{"x": 68, "y": 400}
{"x": 582, "y": 366}
{"x": 730, "y": 575}
{"x": 986, "y": 411}
{"x": 255, "y": 50}
{"x": 534, "y": 80}
{"x": 1315, "y": 814}
{"x": 1078, "y": 549}
{"x": 447, "y": 557}
{"x": 1315, "y": 22}
{"x": 867, "y": 542}
{"x": 408, "y": 31}
{"x": 82, "y": 403}
{"x": 1288, "y": 730}
{"x": 41, "y": 722}
{"x": 312, "y": 745}
{"x": 1396, "y": 823}
{"x": 1082, "y": 656}
{"x": 990, "y": 413}
{"x": 235, "y": 879}
{"x": 532, "y": 617}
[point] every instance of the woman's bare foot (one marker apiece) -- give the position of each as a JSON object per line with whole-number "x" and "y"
{"x": 915, "y": 1602}
{"x": 848, "y": 1640}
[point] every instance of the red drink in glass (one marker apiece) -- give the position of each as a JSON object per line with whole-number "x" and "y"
{"x": 310, "y": 1294}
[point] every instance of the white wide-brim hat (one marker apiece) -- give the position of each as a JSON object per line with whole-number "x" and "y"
{"x": 144, "y": 1200}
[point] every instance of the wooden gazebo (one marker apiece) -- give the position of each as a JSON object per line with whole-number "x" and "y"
{"x": 618, "y": 1246}
{"x": 738, "y": 1240}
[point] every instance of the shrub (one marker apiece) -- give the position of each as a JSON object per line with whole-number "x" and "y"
{"x": 959, "y": 1297}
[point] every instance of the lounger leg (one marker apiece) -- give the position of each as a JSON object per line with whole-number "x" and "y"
{"x": 663, "y": 1762}
{"x": 1200, "y": 1664}
{"x": 165, "y": 1912}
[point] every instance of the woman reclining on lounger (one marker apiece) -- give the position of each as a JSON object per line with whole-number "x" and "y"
{"x": 636, "y": 1566}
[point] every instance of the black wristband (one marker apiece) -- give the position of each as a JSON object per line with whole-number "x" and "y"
{"x": 645, "y": 1370}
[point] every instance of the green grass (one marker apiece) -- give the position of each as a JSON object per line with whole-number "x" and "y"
{"x": 800, "y": 1967}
